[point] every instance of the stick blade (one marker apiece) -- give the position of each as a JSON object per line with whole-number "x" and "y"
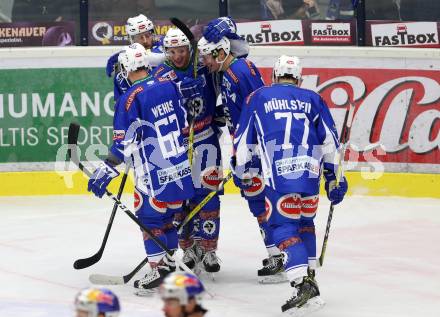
{"x": 102, "y": 279}
{"x": 83, "y": 263}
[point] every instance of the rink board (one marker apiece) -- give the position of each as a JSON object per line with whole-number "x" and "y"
{"x": 72, "y": 183}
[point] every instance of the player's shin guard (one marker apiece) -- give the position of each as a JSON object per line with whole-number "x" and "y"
{"x": 209, "y": 232}
{"x": 154, "y": 252}
{"x": 308, "y": 236}
{"x": 267, "y": 234}
{"x": 309, "y": 206}
{"x": 186, "y": 234}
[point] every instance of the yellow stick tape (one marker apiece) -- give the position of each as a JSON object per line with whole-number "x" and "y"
{"x": 72, "y": 183}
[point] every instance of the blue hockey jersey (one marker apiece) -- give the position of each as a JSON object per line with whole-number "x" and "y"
{"x": 294, "y": 132}
{"x": 147, "y": 123}
{"x": 238, "y": 81}
{"x": 203, "y": 111}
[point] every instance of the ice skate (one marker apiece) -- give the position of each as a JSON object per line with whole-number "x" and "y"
{"x": 305, "y": 300}
{"x": 152, "y": 280}
{"x": 166, "y": 265}
{"x": 211, "y": 263}
{"x": 272, "y": 271}
{"x": 190, "y": 257}
{"x": 148, "y": 285}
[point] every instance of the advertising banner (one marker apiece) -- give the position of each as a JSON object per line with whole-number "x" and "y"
{"x": 397, "y": 111}
{"x": 37, "y": 34}
{"x": 397, "y": 119}
{"x": 279, "y": 32}
{"x": 114, "y": 33}
{"x": 403, "y": 34}
{"x": 298, "y": 32}
{"x": 332, "y": 33}
{"x": 37, "y": 106}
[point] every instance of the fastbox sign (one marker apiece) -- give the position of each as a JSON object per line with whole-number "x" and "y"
{"x": 404, "y": 34}
{"x": 272, "y": 32}
{"x": 37, "y": 106}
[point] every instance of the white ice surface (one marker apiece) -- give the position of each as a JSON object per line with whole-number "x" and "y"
{"x": 383, "y": 258}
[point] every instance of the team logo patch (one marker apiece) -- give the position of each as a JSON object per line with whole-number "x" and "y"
{"x": 290, "y": 206}
{"x": 256, "y": 188}
{"x": 309, "y": 206}
{"x": 158, "y": 205}
{"x": 212, "y": 177}
{"x": 137, "y": 200}
{"x": 209, "y": 227}
{"x": 196, "y": 108}
{"x": 268, "y": 207}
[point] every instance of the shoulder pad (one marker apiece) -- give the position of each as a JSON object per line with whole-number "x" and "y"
{"x": 158, "y": 70}
{"x": 249, "y": 97}
{"x": 232, "y": 75}
{"x": 251, "y": 67}
{"x": 132, "y": 96}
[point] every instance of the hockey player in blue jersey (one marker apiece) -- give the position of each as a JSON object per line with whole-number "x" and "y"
{"x": 198, "y": 245}
{"x": 297, "y": 139}
{"x": 240, "y": 77}
{"x": 199, "y": 240}
{"x": 147, "y": 134}
{"x": 140, "y": 29}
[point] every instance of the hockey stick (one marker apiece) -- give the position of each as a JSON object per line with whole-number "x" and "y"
{"x": 344, "y": 139}
{"x": 116, "y": 280}
{"x": 103, "y": 279}
{"x": 204, "y": 202}
{"x": 86, "y": 262}
{"x": 72, "y": 152}
{"x": 184, "y": 28}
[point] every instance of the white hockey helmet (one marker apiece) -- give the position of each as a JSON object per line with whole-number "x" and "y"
{"x": 139, "y": 24}
{"x": 97, "y": 301}
{"x": 206, "y": 48}
{"x": 132, "y": 58}
{"x": 175, "y": 38}
{"x": 287, "y": 66}
{"x": 181, "y": 286}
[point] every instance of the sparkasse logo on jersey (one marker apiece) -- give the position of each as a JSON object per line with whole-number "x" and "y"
{"x": 272, "y": 32}
{"x": 420, "y": 34}
{"x": 331, "y": 33}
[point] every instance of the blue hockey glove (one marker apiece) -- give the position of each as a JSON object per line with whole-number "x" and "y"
{"x": 220, "y": 27}
{"x": 335, "y": 194}
{"x": 111, "y": 62}
{"x": 101, "y": 178}
{"x": 191, "y": 88}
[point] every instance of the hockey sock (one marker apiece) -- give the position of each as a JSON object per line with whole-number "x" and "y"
{"x": 154, "y": 252}
{"x": 294, "y": 250}
{"x": 267, "y": 234}
{"x": 209, "y": 229}
{"x": 308, "y": 236}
